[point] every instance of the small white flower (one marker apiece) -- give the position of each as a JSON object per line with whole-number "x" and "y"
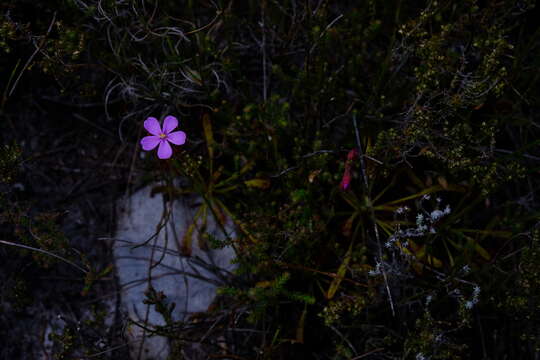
{"x": 466, "y": 269}
{"x": 469, "y": 305}
{"x": 436, "y": 215}
{"x": 419, "y": 219}
{"x": 447, "y": 210}
{"x": 426, "y": 197}
{"x": 376, "y": 271}
{"x": 391, "y": 241}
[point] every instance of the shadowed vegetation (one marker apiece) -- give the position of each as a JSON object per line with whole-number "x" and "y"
{"x": 431, "y": 251}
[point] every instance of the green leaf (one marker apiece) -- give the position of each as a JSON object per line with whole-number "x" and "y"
{"x": 208, "y": 135}
{"x": 193, "y": 76}
{"x": 258, "y": 183}
{"x": 429, "y": 190}
{"x": 186, "y": 240}
{"x": 450, "y": 257}
{"x": 300, "y": 327}
{"x": 334, "y": 286}
{"x": 478, "y": 248}
{"x": 186, "y": 245}
{"x": 484, "y": 233}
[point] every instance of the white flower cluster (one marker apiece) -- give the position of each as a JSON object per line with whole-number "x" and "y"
{"x": 376, "y": 271}
{"x": 424, "y": 223}
{"x": 469, "y": 304}
{"x": 402, "y": 210}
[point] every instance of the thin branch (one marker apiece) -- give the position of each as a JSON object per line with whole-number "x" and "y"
{"x": 375, "y": 227}
{"x": 367, "y": 354}
{"x": 324, "y": 32}
{"x": 263, "y": 46}
{"x": 360, "y": 153}
{"x": 283, "y": 172}
{"x": 44, "y": 252}
{"x": 33, "y": 55}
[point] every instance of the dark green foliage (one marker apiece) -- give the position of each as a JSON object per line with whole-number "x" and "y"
{"x": 10, "y": 157}
{"x": 432, "y": 254}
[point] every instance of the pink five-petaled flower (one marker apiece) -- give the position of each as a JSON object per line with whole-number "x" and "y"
{"x": 162, "y": 137}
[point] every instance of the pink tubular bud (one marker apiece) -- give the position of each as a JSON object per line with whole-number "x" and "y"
{"x": 347, "y": 176}
{"x": 353, "y": 154}
{"x": 345, "y": 182}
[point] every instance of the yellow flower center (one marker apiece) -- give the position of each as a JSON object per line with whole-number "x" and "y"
{"x": 162, "y": 136}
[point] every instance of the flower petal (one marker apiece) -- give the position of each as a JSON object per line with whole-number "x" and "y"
{"x": 164, "y": 150}
{"x": 169, "y": 124}
{"x": 352, "y": 154}
{"x": 177, "y": 137}
{"x": 152, "y": 125}
{"x": 346, "y": 180}
{"x": 150, "y": 142}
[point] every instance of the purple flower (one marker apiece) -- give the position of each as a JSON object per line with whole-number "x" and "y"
{"x": 162, "y": 137}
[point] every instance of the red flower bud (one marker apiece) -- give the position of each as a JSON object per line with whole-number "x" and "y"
{"x": 345, "y": 182}
{"x": 353, "y": 154}
{"x": 347, "y": 176}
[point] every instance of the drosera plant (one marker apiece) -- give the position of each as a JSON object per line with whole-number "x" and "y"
{"x": 191, "y": 168}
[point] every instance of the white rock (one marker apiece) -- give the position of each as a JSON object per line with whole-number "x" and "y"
{"x": 157, "y": 227}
